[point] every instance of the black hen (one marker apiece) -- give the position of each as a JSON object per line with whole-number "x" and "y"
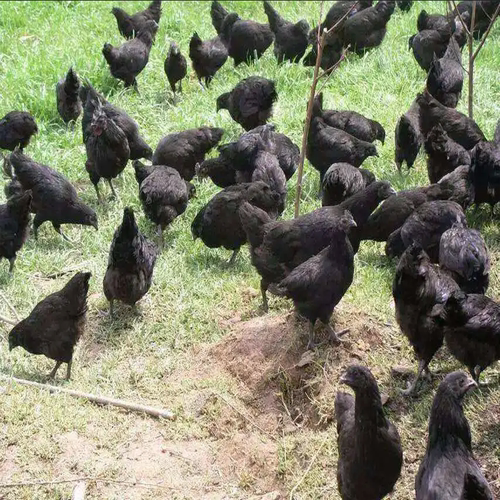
{"x": 408, "y": 138}
{"x": 218, "y": 13}
{"x": 218, "y": 223}
{"x": 425, "y": 227}
{"x": 446, "y": 76}
{"x": 405, "y": 5}
{"x": 245, "y": 40}
{"x": 16, "y": 129}
{"x": 55, "y": 324}
{"x": 353, "y": 123}
{"x": 131, "y": 262}
{"x": 175, "y": 67}
{"x": 220, "y": 170}
{"x": 54, "y": 198}
{"x": 290, "y": 40}
{"x": 317, "y": 285}
{"x": 367, "y": 28}
{"x": 129, "y": 26}
{"x": 327, "y": 145}
{"x": 485, "y": 167}
{"x": 342, "y": 181}
{"x": 370, "y": 451}
{"x": 449, "y": 470}
{"x": 459, "y": 127}
{"x": 250, "y": 103}
{"x": 107, "y": 147}
{"x": 472, "y": 330}
{"x": 137, "y": 145}
{"x": 417, "y": 288}
{"x": 128, "y": 60}
{"x": 207, "y": 56}
{"x": 183, "y": 150}
{"x": 164, "y": 194}
{"x": 427, "y": 21}
{"x": 69, "y": 103}
{"x": 428, "y": 44}
{"x": 463, "y": 253}
{"x": 14, "y": 221}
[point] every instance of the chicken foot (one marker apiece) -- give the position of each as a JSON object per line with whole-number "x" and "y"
{"x": 412, "y": 387}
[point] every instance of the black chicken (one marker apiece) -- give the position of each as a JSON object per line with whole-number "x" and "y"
{"x": 449, "y": 468}
{"x": 69, "y": 103}
{"x": 456, "y": 186}
{"x": 317, "y": 285}
{"x": 16, "y": 129}
{"x": 218, "y": 13}
{"x": 472, "y": 330}
{"x": 55, "y": 324}
{"x": 332, "y": 53}
{"x": 366, "y": 29}
{"x": 131, "y": 262}
{"x": 137, "y": 145}
{"x": 218, "y": 223}
{"x": 14, "y": 221}
{"x": 408, "y": 138}
{"x": 370, "y": 451}
{"x": 463, "y": 253}
{"x": 220, "y": 170}
{"x": 163, "y": 193}
{"x": 175, "y": 67}
{"x": 207, "y": 56}
{"x": 128, "y": 60}
{"x": 425, "y": 227}
{"x": 443, "y": 154}
{"x": 446, "y": 76}
{"x": 183, "y": 150}
{"x": 130, "y": 26}
{"x": 342, "y": 181}
{"x": 459, "y": 127}
{"x": 427, "y": 21}
{"x": 245, "y": 40}
{"x": 250, "y": 103}
{"x": 54, "y": 198}
{"x": 290, "y": 40}
{"x": 417, "y": 288}
{"x": 485, "y": 171}
{"x": 405, "y": 5}
{"x": 428, "y": 44}
{"x": 106, "y": 144}
{"x": 353, "y": 123}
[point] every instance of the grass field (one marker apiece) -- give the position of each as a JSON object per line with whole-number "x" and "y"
{"x": 249, "y": 420}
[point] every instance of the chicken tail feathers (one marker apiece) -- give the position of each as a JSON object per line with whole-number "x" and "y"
{"x": 72, "y": 84}
{"x": 273, "y": 17}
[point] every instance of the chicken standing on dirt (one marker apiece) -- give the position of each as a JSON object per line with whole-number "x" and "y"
{"x": 69, "y": 103}
{"x": 250, "y": 103}
{"x": 449, "y": 470}
{"x": 54, "y": 198}
{"x": 14, "y": 230}
{"x": 132, "y": 258}
{"x": 370, "y": 451}
{"x": 290, "y": 40}
{"x": 317, "y": 285}
{"x": 463, "y": 253}
{"x": 129, "y": 26}
{"x": 128, "y": 60}
{"x": 218, "y": 223}
{"x": 417, "y": 288}
{"x": 163, "y": 193}
{"x": 55, "y": 324}
{"x": 183, "y": 150}
{"x": 107, "y": 147}
{"x": 472, "y": 330}
{"x": 207, "y": 57}
{"x": 245, "y": 40}
{"x": 175, "y": 67}
{"x": 16, "y": 129}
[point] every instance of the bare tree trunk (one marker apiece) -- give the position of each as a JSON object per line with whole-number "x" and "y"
{"x": 471, "y": 60}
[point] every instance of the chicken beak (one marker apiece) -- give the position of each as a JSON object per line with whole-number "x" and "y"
{"x": 344, "y": 379}
{"x": 471, "y": 384}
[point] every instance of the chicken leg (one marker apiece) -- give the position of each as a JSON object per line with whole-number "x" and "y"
{"x": 52, "y": 374}
{"x": 233, "y": 257}
{"x": 411, "y": 389}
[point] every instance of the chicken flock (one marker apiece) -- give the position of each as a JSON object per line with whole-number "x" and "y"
{"x": 443, "y": 266}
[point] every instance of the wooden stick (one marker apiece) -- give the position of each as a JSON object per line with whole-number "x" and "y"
{"x": 79, "y": 491}
{"x": 154, "y": 412}
{"x": 9, "y": 321}
{"x": 11, "y": 307}
{"x": 471, "y": 63}
{"x": 137, "y": 484}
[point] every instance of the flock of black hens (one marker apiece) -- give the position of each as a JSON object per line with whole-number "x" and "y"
{"x": 443, "y": 268}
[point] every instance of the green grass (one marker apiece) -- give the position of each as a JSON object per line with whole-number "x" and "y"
{"x": 161, "y": 357}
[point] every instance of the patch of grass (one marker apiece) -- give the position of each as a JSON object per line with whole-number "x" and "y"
{"x": 195, "y": 296}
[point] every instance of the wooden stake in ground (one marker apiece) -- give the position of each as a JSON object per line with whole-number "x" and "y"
{"x": 470, "y": 41}
{"x": 320, "y": 46}
{"x": 149, "y": 410}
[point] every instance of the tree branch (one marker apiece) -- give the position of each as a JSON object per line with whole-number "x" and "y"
{"x": 468, "y": 33}
{"x": 486, "y": 33}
